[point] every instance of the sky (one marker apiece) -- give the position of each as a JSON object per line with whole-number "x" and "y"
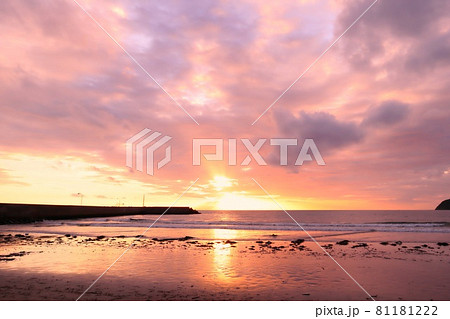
{"x": 377, "y": 104}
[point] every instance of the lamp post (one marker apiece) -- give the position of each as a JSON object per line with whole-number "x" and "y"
{"x": 81, "y": 198}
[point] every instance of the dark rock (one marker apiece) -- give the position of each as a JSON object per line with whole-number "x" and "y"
{"x": 185, "y": 238}
{"x": 204, "y": 246}
{"x": 342, "y": 242}
{"x": 384, "y": 243}
{"x": 445, "y": 205}
{"x": 19, "y": 254}
{"x": 298, "y": 241}
{"x": 267, "y": 244}
{"x": 442, "y": 244}
{"x": 230, "y": 242}
{"x": 360, "y": 245}
{"x": 10, "y": 257}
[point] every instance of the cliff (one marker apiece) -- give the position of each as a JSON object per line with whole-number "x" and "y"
{"x": 445, "y": 205}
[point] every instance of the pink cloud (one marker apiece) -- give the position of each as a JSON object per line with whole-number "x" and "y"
{"x": 377, "y": 103}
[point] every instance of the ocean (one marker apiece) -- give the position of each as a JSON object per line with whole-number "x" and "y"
{"x": 220, "y": 224}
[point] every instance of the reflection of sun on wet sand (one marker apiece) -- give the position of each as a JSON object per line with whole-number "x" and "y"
{"x": 222, "y": 263}
{"x": 60, "y": 267}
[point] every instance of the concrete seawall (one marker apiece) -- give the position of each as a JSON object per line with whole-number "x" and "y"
{"x": 26, "y": 213}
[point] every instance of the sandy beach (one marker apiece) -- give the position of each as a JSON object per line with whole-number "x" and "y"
{"x": 60, "y": 267}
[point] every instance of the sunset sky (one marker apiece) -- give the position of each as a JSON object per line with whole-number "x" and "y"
{"x": 377, "y": 104}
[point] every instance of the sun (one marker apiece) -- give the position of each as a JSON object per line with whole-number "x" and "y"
{"x": 234, "y": 201}
{"x": 221, "y": 182}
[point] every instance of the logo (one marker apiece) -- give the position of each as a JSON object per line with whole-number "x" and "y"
{"x": 141, "y": 142}
{"x": 253, "y": 151}
{"x": 143, "y": 146}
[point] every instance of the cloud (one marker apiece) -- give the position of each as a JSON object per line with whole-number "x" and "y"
{"x": 431, "y": 53}
{"x": 7, "y": 179}
{"x": 328, "y": 132}
{"x": 394, "y": 34}
{"x": 379, "y": 95}
{"x": 385, "y": 114}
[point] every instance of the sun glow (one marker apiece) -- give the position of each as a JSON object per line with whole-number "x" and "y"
{"x": 221, "y": 182}
{"x": 233, "y": 201}
{"x": 119, "y": 11}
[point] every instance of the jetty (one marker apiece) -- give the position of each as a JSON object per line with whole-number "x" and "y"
{"x": 27, "y": 213}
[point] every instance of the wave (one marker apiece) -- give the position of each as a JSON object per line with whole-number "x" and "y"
{"x": 439, "y": 227}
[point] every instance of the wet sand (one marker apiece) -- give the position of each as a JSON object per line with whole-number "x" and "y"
{"x": 61, "y": 267}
